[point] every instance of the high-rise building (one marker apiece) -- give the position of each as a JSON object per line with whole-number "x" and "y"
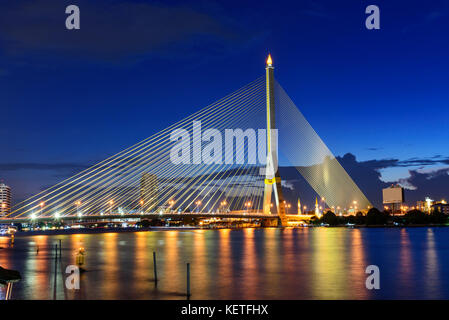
{"x": 426, "y": 205}
{"x": 442, "y": 207}
{"x": 393, "y": 198}
{"x": 149, "y": 192}
{"x": 5, "y": 199}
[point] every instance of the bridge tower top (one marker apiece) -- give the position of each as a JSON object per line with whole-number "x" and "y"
{"x": 269, "y": 61}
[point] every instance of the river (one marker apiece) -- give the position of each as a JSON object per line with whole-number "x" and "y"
{"x": 272, "y": 263}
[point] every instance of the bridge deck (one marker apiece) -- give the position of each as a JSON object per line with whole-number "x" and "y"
{"x": 238, "y": 215}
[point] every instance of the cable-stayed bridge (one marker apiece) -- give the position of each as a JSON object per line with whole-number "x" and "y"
{"x": 220, "y": 161}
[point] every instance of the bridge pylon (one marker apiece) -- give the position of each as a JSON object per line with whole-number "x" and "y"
{"x": 272, "y": 176}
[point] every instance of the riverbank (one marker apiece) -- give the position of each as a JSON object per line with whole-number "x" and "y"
{"x": 97, "y": 230}
{"x": 154, "y": 228}
{"x": 111, "y": 230}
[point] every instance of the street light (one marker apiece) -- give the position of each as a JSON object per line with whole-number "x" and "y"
{"x": 223, "y": 204}
{"x": 288, "y": 206}
{"x": 111, "y": 203}
{"x": 355, "y": 206}
{"x": 198, "y": 203}
{"x": 141, "y": 205}
{"x": 78, "y": 204}
{"x": 170, "y": 204}
{"x": 429, "y": 203}
{"x": 41, "y": 204}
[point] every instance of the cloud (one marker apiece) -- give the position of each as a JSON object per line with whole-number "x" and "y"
{"x": 367, "y": 175}
{"x": 433, "y": 184}
{"x": 428, "y": 18}
{"x": 42, "y": 166}
{"x": 374, "y": 149}
{"x": 109, "y": 30}
{"x": 377, "y": 164}
{"x": 419, "y": 184}
{"x": 434, "y": 15}
{"x": 316, "y": 9}
{"x": 287, "y": 184}
{"x": 412, "y": 162}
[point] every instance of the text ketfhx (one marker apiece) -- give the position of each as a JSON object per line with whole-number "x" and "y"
{"x": 246, "y": 309}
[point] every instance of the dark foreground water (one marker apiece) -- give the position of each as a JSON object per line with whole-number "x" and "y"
{"x": 317, "y": 263}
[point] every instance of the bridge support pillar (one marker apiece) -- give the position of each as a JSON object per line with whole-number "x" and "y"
{"x": 272, "y": 176}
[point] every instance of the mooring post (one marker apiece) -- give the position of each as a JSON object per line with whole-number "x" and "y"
{"x": 155, "y": 267}
{"x": 8, "y": 291}
{"x": 56, "y": 270}
{"x": 188, "y": 280}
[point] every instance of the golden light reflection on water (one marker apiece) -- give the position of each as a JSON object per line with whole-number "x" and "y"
{"x": 405, "y": 260}
{"x": 4, "y": 256}
{"x": 357, "y": 266}
{"x": 200, "y": 273}
{"x": 294, "y": 262}
{"x": 39, "y": 264}
{"x": 224, "y": 261}
{"x": 432, "y": 273}
{"x": 142, "y": 268}
{"x": 111, "y": 283}
{"x": 330, "y": 280}
{"x": 75, "y": 241}
{"x": 271, "y": 263}
{"x": 172, "y": 266}
{"x": 250, "y": 262}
